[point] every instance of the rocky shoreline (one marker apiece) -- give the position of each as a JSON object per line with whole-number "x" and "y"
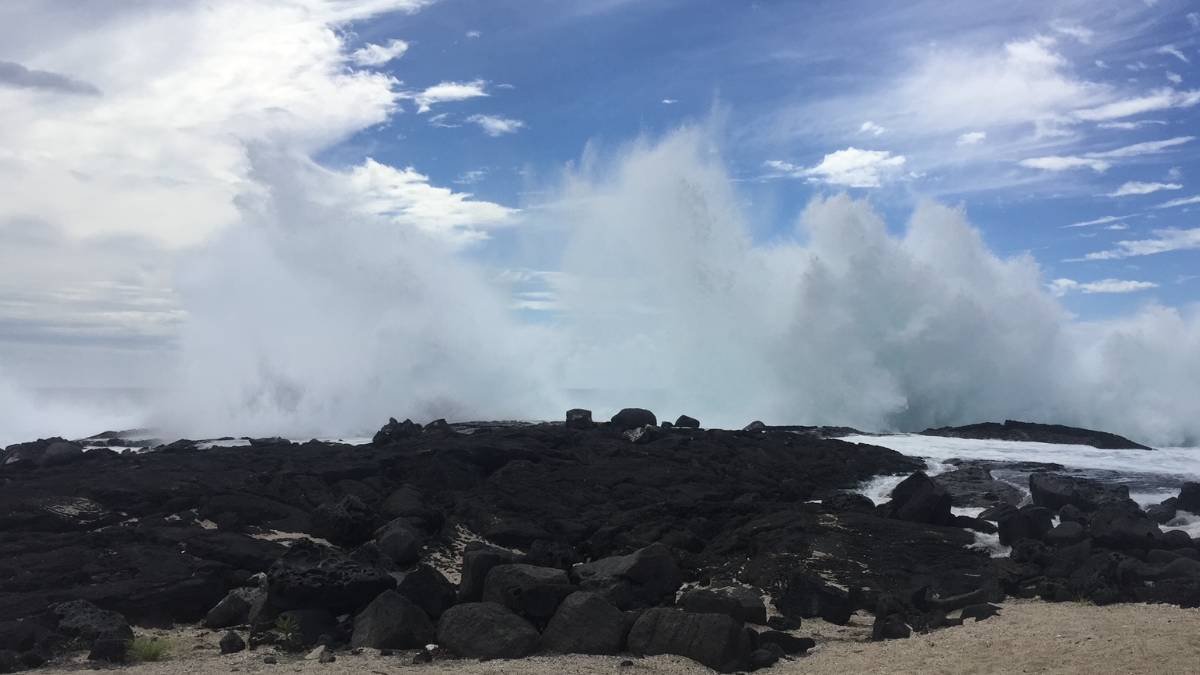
{"x": 506, "y": 540}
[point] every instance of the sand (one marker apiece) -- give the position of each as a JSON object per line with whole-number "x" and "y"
{"x": 1028, "y": 637}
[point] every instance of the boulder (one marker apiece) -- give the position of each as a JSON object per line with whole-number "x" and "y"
{"x": 578, "y": 418}
{"x": 998, "y": 512}
{"x": 394, "y": 431}
{"x": 756, "y": 425}
{"x": 790, "y": 644}
{"x": 585, "y": 623}
{"x": 477, "y": 562}
{"x": 42, "y": 452}
{"x": 486, "y": 630}
{"x": 399, "y": 541}
{"x": 531, "y": 591}
{"x": 687, "y": 422}
{"x": 405, "y": 502}
{"x": 807, "y": 595}
{"x": 309, "y": 575}
{"x": 1065, "y": 534}
{"x": 741, "y": 603}
{"x": 392, "y": 621}
{"x": 644, "y": 578}
{"x": 234, "y": 608}
{"x": 428, "y": 588}
{"x": 1072, "y": 514}
{"x": 980, "y": 612}
{"x": 765, "y": 657}
{"x": 309, "y": 625}
{"x": 890, "y": 627}
{"x": 1189, "y": 498}
{"x": 346, "y": 522}
{"x": 842, "y": 502}
{"x": 1121, "y": 529}
{"x": 973, "y": 485}
{"x": 108, "y": 648}
{"x": 629, "y": 418}
{"x": 1054, "y": 491}
{"x": 1029, "y": 522}
{"x": 84, "y": 620}
{"x": 232, "y": 643}
{"x": 920, "y": 499}
{"x": 714, "y": 640}
{"x": 1163, "y": 512}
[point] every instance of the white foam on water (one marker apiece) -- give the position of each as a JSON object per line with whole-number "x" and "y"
{"x": 1185, "y": 521}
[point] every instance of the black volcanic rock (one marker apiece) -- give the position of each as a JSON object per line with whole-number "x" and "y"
{"x": 920, "y": 499}
{"x": 973, "y": 485}
{"x": 531, "y": 591}
{"x": 578, "y": 418}
{"x": 392, "y": 621}
{"x": 643, "y": 578}
{"x": 715, "y": 640}
{"x": 486, "y": 630}
{"x": 311, "y": 576}
{"x": 1189, "y": 498}
{"x": 394, "y": 432}
{"x": 1013, "y": 430}
{"x": 585, "y": 623}
{"x": 1055, "y": 491}
{"x": 685, "y": 422}
{"x": 628, "y": 418}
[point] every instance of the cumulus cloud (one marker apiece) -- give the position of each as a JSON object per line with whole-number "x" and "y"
{"x": 17, "y": 75}
{"x": 494, "y": 125}
{"x": 1061, "y": 287}
{"x": 1140, "y": 188}
{"x": 972, "y": 138}
{"x": 870, "y": 127}
{"x": 447, "y": 92}
{"x": 1163, "y": 241}
{"x": 377, "y": 55}
{"x": 851, "y": 167}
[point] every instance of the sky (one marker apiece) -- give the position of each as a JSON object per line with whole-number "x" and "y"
{"x": 134, "y": 135}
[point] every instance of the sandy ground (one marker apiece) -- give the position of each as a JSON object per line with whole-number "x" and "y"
{"x": 1028, "y": 637}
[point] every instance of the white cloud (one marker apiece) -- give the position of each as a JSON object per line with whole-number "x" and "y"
{"x": 1140, "y": 188}
{"x": 1075, "y": 31}
{"x": 493, "y": 125}
{"x": 972, "y": 138}
{"x": 1173, "y": 51}
{"x": 1183, "y": 201}
{"x": 471, "y": 177}
{"x": 1100, "y": 63}
{"x": 1129, "y": 125}
{"x": 473, "y": 34}
{"x": 377, "y": 55}
{"x": 1161, "y": 99}
{"x": 1175, "y": 78}
{"x": 442, "y": 120}
{"x": 1164, "y": 241}
{"x": 447, "y": 92}
{"x": 1061, "y": 287}
{"x": 1137, "y": 149}
{"x": 1194, "y": 19}
{"x": 1098, "y": 221}
{"x": 1065, "y": 163}
{"x": 1117, "y": 227}
{"x": 851, "y": 167}
{"x": 870, "y": 127}
{"x": 670, "y": 101}
{"x": 406, "y": 197}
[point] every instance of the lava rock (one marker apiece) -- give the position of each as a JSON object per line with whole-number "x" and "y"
{"x": 890, "y": 627}
{"x": 1189, "y": 498}
{"x": 920, "y": 499}
{"x": 231, "y": 643}
{"x": 763, "y": 658}
{"x": 1029, "y": 522}
{"x": 1122, "y": 529}
{"x": 1065, "y": 534}
{"x": 1163, "y": 512}
{"x": 1054, "y": 491}
{"x": 807, "y": 595}
{"x": 530, "y": 591}
{"x": 311, "y": 625}
{"x": 108, "y": 648}
{"x": 756, "y": 425}
{"x": 741, "y": 603}
{"x": 1013, "y": 430}
{"x": 644, "y": 578}
{"x": 428, "y": 588}
{"x": 714, "y": 640}
{"x": 980, "y": 612}
{"x": 234, "y": 608}
{"x": 309, "y": 575}
{"x": 477, "y": 563}
{"x": 848, "y": 502}
{"x": 687, "y": 422}
{"x": 400, "y": 541}
{"x": 392, "y": 621}
{"x": 642, "y": 435}
{"x": 629, "y": 418}
{"x": 394, "y": 431}
{"x": 578, "y": 418}
{"x": 585, "y": 623}
{"x": 346, "y": 522}
{"x": 790, "y": 644}
{"x": 82, "y": 619}
{"x": 486, "y": 630}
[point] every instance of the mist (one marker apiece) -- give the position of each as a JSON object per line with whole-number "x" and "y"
{"x": 310, "y": 319}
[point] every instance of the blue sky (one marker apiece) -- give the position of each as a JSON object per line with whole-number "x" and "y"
{"x": 794, "y": 82}
{"x": 1066, "y": 130}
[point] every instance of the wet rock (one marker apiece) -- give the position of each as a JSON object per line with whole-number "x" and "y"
{"x": 1029, "y": 522}
{"x": 1164, "y": 511}
{"x": 644, "y": 578}
{"x": 630, "y": 418}
{"x": 231, "y": 643}
{"x": 1065, "y": 534}
{"x": 1054, "y": 491}
{"x": 714, "y": 640}
{"x": 973, "y": 485}
{"x": 486, "y": 630}
{"x": 848, "y": 501}
{"x": 585, "y": 623}
{"x": 477, "y": 562}
{"x": 1072, "y": 514}
{"x": 1189, "y": 498}
{"x": 530, "y": 591}
{"x": 578, "y": 418}
{"x": 686, "y": 422}
{"x": 1121, "y": 529}
{"x": 920, "y": 499}
{"x": 998, "y": 512}
{"x": 1013, "y": 430}
{"x": 392, "y": 621}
